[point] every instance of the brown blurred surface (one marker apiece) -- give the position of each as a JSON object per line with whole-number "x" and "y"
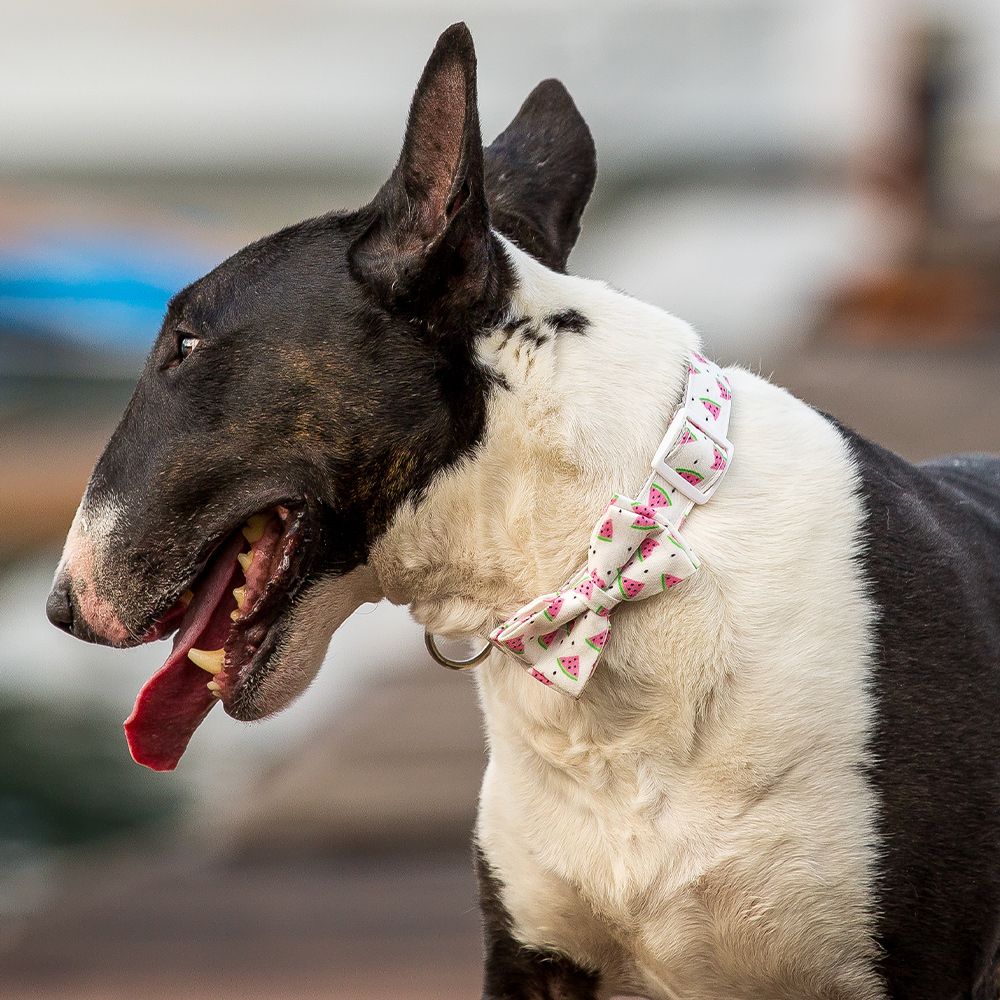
{"x": 399, "y": 766}
{"x": 919, "y": 403}
{"x": 359, "y": 928}
{"x": 45, "y": 469}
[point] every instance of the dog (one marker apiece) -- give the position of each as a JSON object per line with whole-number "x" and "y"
{"x": 783, "y": 779}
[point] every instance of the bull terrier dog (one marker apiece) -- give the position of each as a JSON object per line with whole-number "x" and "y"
{"x": 777, "y": 770}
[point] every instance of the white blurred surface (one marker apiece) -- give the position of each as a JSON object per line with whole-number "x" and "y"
{"x": 745, "y": 266}
{"x": 115, "y": 85}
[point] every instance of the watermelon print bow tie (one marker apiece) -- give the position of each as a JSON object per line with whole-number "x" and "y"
{"x": 636, "y": 549}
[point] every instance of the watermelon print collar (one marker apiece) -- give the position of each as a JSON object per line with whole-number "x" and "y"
{"x": 636, "y": 549}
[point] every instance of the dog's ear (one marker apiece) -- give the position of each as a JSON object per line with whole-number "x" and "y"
{"x": 540, "y": 173}
{"x": 428, "y": 251}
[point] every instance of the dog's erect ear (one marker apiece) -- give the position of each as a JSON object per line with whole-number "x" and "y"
{"x": 428, "y": 250}
{"x": 540, "y": 172}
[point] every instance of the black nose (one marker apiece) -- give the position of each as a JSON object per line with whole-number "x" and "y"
{"x": 59, "y": 607}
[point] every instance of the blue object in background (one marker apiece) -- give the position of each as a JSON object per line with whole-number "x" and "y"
{"x": 102, "y": 289}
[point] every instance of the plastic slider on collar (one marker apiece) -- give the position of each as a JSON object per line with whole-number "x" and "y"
{"x": 697, "y": 495}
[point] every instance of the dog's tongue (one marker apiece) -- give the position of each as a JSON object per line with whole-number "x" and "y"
{"x": 175, "y": 700}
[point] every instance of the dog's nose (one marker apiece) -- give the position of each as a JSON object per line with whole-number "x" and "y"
{"x": 59, "y": 606}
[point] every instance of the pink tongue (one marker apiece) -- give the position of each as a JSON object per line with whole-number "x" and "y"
{"x": 175, "y": 700}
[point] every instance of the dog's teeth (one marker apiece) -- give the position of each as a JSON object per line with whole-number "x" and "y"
{"x": 208, "y": 659}
{"x": 246, "y": 561}
{"x": 253, "y": 530}
{"x": 240, "y": 593}
{"x": 215, "y": 688}
{"x": 187, "y": 597}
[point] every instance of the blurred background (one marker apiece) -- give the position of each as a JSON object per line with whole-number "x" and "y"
{"x": 815, "y": 184}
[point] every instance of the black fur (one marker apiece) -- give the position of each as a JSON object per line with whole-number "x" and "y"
{"x": 529, "y": 331}
{"x": 540, "y": 172}
{"x": 933, "y": 538}
{"x": 427, "y": 251}
{"x": 568, "y": 320}
{"x": 512, "y": 971}
{"x": 335, "y": 358}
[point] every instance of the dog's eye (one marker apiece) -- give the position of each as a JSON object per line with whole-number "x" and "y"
{"x": 185, "y": 345}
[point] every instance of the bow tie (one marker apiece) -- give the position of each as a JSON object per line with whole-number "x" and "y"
{"x": 636, "y": 548}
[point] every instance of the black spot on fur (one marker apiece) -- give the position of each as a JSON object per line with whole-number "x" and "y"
{"x": 499, "y": 380}
{"x": 932, "y": 557}
{"x": 516, "y": 324}
{"x": 569, "y": 320}
{"x": 513, "y": 971}
{"x": 533, "y": 337}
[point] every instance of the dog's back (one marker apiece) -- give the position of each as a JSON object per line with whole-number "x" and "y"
{"x": 933, "y": 560}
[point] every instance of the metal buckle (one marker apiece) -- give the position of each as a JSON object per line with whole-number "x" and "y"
{"x": 447, "y": 661}
{"x": 686, "y": 489}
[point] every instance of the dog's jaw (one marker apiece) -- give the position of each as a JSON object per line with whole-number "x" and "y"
{"x": 322, "y": 607}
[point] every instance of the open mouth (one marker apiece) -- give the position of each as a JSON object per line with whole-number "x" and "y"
{"x": 228, "y": 623}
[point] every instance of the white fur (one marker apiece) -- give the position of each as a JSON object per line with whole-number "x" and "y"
{"x": 91, "y": 533}
{"x": 84, "y": 558}
{"x": 699, "y": 824}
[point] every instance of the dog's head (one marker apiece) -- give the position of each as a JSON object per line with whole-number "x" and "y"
{"x": 297, "y": 395}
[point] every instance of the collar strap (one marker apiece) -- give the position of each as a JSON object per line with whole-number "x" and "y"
{"x": 636, "y": 548}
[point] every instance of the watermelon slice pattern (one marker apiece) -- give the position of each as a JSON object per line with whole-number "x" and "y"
{"x": 630, "y": 589}
{"x": 694, "y": 478}
{"x": 659, "y": 497}
{"x": 559, "y": 638}
{"x": 712, "y": 406}
{"x": 597, "y": 641}
{"x": 546, "y": 640}
{"x": 570, "y": 666}
{"x": 648, "y": 547}
{"x": 645, "y": 517}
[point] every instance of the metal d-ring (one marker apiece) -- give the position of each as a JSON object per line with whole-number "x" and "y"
{"x": 446, "y": 661}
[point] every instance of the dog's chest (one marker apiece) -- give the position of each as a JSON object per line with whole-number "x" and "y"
{"x": 634, "y": 842}
{"x": 631, "y": 839}
{"x": 678, "y": 871}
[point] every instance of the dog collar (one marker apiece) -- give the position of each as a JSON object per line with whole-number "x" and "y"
{"x": 636, "y": 549}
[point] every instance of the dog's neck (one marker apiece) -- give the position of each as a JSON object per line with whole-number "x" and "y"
{"x": 588, "y": 379}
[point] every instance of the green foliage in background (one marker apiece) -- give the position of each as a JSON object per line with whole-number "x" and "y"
{"x": 66, "y": 778}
